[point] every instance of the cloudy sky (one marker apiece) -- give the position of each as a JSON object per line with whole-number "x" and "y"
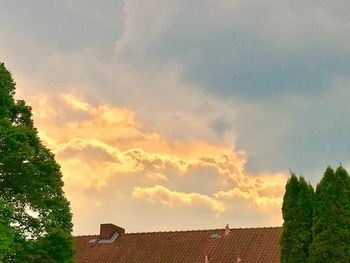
{"x": 168, "y": 115}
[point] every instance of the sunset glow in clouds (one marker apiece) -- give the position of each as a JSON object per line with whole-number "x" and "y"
{"x": 104, "y": 150}
{"x": 168, "y": 115}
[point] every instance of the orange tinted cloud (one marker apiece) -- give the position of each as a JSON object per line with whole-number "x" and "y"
{"x": 162, "y": 195}
{"x": 103, "y": 145}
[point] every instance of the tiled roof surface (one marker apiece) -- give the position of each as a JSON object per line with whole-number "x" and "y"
{"x": 252, "y": 245}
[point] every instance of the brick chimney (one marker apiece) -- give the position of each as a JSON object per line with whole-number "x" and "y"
{"x": 108, "y": 230}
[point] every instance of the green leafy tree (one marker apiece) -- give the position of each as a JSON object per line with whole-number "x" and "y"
{"x": 35, "y": 223}
{"x": 6, "y": 233}
{"x": 297, "y": 214}
{"x": 331, "y": 218}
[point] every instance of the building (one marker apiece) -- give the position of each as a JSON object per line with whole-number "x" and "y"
{"x": 244, "y": 245}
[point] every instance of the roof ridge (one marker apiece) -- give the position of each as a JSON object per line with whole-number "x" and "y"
{"x": 201, "y": 230}
{"x": 257, "y": 227}
{"x": 175, "y": 231}
{"x": 189, "y": 230}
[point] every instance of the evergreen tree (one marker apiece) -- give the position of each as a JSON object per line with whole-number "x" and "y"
{"x": 297, "y": 214}
{"x": 331, "y": 218}
{"x": 290, "y": 214}
{"x": 305, "y": 204}
{"x": 35, "y": 221}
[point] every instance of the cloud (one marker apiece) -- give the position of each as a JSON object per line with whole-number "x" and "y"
{"x": 305, "y": 134}
{"x": 105, "y": 152}
{"x": 69, "y": 26}
{"x": 129, "y": 103}
{"x": 262, "y": 195}
{"x": 255, "y": 73}
{"x": 242, "y": 49}
{"x": 162, "y": 195}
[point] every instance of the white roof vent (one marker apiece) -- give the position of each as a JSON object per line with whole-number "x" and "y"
{"x": 93, "y": 241}
{"x": 107, "y": 241}
{"x": 108, "y": 234}
{"x": 215, "y": 236}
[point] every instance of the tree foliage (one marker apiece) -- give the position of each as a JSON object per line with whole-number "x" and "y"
{"x": 6, "y": 233}
{"x": 297, "y": 214}
{"x": 35, "y": 217}
{"x": 331, "y": 219}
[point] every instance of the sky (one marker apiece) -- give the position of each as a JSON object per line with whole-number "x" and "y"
{"x": 173, "y": 115}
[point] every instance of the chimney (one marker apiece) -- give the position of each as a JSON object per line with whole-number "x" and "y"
{"x": 107, "y": 231}
{"x": 227, "y": 230}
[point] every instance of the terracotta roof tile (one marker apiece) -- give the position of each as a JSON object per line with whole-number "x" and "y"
{"x": 252, "y": 245}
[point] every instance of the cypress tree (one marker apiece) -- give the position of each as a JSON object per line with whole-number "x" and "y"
{"x": 35, "y": 223}
{"x": 331, "y": 218}
{"x": 305, "y": 204}
{"x": 297, "y": 214}
{"x": 290, "y": 215}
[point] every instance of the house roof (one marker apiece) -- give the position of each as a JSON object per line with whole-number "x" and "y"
{"x": 251, "y": 245}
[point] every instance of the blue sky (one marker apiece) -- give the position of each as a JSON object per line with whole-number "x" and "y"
{"x": 268, "y": 79}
